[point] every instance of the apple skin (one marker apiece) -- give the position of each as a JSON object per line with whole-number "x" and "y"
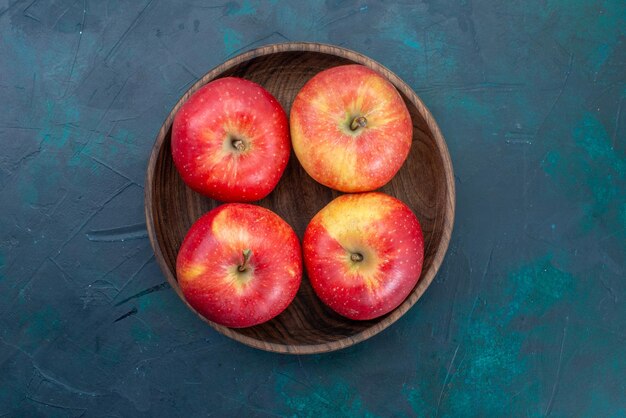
{"x": 230, "y": 141}
{"x": 387, "y": 237}
{"x": 329, "y": 150}
{"x": 209, "y": 258}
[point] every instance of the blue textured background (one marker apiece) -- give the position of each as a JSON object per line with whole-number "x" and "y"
{"x": 527, "y": 316}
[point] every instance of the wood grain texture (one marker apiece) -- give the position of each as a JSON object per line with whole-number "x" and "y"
{"x": 425, "y": 183}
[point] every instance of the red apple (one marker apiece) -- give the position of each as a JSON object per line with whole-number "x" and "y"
{"x": 239, "y": 265}
{"x": 363, "y": 254}
{"x": 350, "y": 128}
{"x": 230, "y": 141}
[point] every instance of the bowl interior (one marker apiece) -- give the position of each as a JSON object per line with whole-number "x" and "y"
{"x": 423, "y": 183}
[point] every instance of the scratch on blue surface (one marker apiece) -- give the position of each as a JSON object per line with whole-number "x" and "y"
{"x": 43, "y": 175}
{"x": 118, "y": 234}
{"x": 490, "y": 354}
{"x": 53, "y": 135}
{"x": 338, "y": 399}
{"x": 591, "y": 29}
{"x": 437, "y": 62}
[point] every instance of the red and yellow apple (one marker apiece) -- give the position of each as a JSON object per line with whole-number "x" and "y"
{"x": 230, "y": 141}
{"x": 350, "y": 128}
{"x": 363, "y": 254}
{"x": 239, "y": 265}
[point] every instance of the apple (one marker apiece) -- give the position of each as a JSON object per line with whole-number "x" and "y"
{"x": 230, "y": 141}
{"x": 350, "y": 128}
{"x": 363, "y": 254}
{"x": 239, "y": 265}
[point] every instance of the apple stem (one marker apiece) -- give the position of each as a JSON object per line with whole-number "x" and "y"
{"x": 358, "y": 122}
{"x": 246, "y": 258}
{"x": 356, "y": 257}
{"x": 238, "y": 144}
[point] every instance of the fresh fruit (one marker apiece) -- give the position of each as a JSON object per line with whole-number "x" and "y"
{"x": 239, "y": 265}
{"x": 363, "y": 254}
{"x": 350, "y": 128}
{"x": 230, "y": 141}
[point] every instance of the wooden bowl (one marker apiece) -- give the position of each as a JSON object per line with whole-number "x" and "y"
{"x": 425, "y": 183}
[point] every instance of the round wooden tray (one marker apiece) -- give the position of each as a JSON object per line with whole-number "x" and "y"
{"x": 425, "y": 183}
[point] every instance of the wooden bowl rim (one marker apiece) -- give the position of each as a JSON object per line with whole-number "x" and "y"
{"x": 427, "y": 276}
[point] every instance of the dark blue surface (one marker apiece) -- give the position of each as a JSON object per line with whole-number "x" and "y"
{"x": 526, "y": 317}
